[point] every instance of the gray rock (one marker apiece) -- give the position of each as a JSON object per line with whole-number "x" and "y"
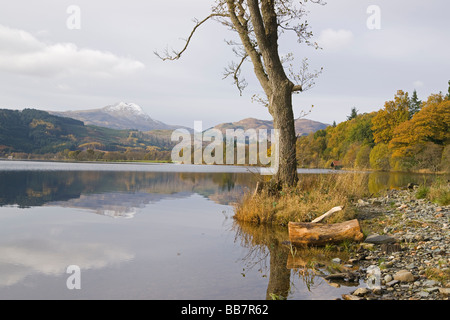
{"x": 380, "y": 239}
{"x": 336, "y": 260}
{"x": 431, "y": 290}
{"x": 430, "y": 283}
{"x": 423, "y": 294}
{"x": 392, "y": 283}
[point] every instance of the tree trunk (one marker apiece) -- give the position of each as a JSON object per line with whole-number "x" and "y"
{"x": 283, "y": 116}
{"x": 316, "y": 234}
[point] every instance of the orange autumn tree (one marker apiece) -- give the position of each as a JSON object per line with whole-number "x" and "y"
{"x": 423, "y": 137}
{"x": 394, "y": 113}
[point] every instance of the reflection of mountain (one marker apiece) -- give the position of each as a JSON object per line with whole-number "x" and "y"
{"x": 117, "y": 205}
{"x": 115, "y": 193}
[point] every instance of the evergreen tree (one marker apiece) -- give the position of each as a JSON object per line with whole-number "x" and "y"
{"x": 414, "y": 105}
{"x": 447, "y": 97}
{"x": 353, "y": 114}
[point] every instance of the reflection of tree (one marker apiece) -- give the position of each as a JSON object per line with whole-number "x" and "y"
{"x": 262, "y": 241}
{"x": 380, "y": 181}
{"x": 35, "y": 188}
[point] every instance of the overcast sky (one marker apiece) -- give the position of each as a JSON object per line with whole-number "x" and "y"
{"x": 46, "y": 65}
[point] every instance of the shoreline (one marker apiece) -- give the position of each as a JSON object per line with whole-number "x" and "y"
{"x": 412, "y": 250}
{"x": 299, "y": 169}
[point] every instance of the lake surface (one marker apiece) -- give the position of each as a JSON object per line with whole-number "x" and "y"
{"x": 144, "y": 231}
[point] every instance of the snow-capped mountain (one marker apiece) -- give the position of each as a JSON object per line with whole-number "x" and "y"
{"x": 121, "y": 116}
{"x": 127, "y": 109}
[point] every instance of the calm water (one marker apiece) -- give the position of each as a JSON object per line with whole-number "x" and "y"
{"x": 144, "y": 231}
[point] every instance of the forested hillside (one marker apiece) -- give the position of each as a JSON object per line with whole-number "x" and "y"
{"x": 38, "y": 132}
{"x": 407, "y": 134}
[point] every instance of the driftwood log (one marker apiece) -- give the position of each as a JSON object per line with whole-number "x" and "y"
{"x": 317, "y": 234}
{"x": 328, "y": 214}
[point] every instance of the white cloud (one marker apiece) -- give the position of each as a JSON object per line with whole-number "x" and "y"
{"x": 22, "y": 53}
{"x": 330, "y": 39}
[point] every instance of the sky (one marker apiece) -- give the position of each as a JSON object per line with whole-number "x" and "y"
{"x": 63, "y": 55}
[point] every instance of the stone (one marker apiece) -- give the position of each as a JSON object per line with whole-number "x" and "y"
{"x": 423, "y": 294}
{"x": 389, "y": 248}
{"x": 431, "y": 290}
{"x": 388, "y": 278}
{"x": 361, "y": 202}
{"x": 430, "y": 283}
{"x": 392, "y": 283}
{"x": 380, "y": 239}
{"x": 336, "y": 260}
{"x": 404, "y": 276}
{"x": 367, "y": 246}
{"x": 378, "y": 291}
{"x": 361, "y": 292}
{"x": 350, "y": 297}
{"x": 445, "y": 291}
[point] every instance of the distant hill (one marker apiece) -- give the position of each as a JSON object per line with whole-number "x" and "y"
{"x": 35, "y": 131}
{"x": 302, "y": 126}
{"x": 121, "y": 116}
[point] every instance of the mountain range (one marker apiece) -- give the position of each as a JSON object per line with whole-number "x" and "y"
{"x": 130, "y": 116}
{"x": 119, "y": 127}
{"x": 302, "y": 126}
{"x": 120, "y": 116}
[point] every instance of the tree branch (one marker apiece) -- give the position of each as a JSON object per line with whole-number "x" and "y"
{"x": 177, "y": 55}
{"x": 250, "y": 48}
{"x": 297, "y": 88}
{"x": 235, "y": 71}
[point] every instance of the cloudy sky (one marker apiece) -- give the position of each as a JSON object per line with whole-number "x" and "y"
{"x": 51, "y": 60}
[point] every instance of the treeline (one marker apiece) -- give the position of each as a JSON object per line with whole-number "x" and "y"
{"x": 406, "y": 135}
{"x": 35, "y": 134}
{"x": 151, "y": 154}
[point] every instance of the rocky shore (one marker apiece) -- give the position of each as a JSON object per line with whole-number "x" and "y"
{"x": 406, "y": 253}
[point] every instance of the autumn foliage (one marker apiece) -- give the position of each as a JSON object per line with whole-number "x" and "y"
{"x": 393, "y": 138}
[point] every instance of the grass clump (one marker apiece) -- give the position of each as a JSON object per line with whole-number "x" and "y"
{"x": 422, "y": 192}
{"x": 313, "y": 196}
{"x": 438, "y": 192}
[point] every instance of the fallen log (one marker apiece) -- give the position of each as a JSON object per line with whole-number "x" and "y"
{"x": 317, "y": 234}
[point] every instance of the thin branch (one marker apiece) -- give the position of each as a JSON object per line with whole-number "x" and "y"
{"x": 235, "y": 71}
{"x": 177, "y": 55}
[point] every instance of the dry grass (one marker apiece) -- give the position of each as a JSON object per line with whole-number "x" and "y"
{"x": 313, "y": 196}
{"x": 438, "y": 192}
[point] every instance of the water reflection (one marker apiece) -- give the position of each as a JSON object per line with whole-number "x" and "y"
{"x": 379, "y": 181}
{"x": 197, "y": 259}
{"x": 22, "y": 258}
{"x": 293, "y": 273}
{"x": 116, "y": 194}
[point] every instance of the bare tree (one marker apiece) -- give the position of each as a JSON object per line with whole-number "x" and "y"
{"x": 259, "y": 24}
